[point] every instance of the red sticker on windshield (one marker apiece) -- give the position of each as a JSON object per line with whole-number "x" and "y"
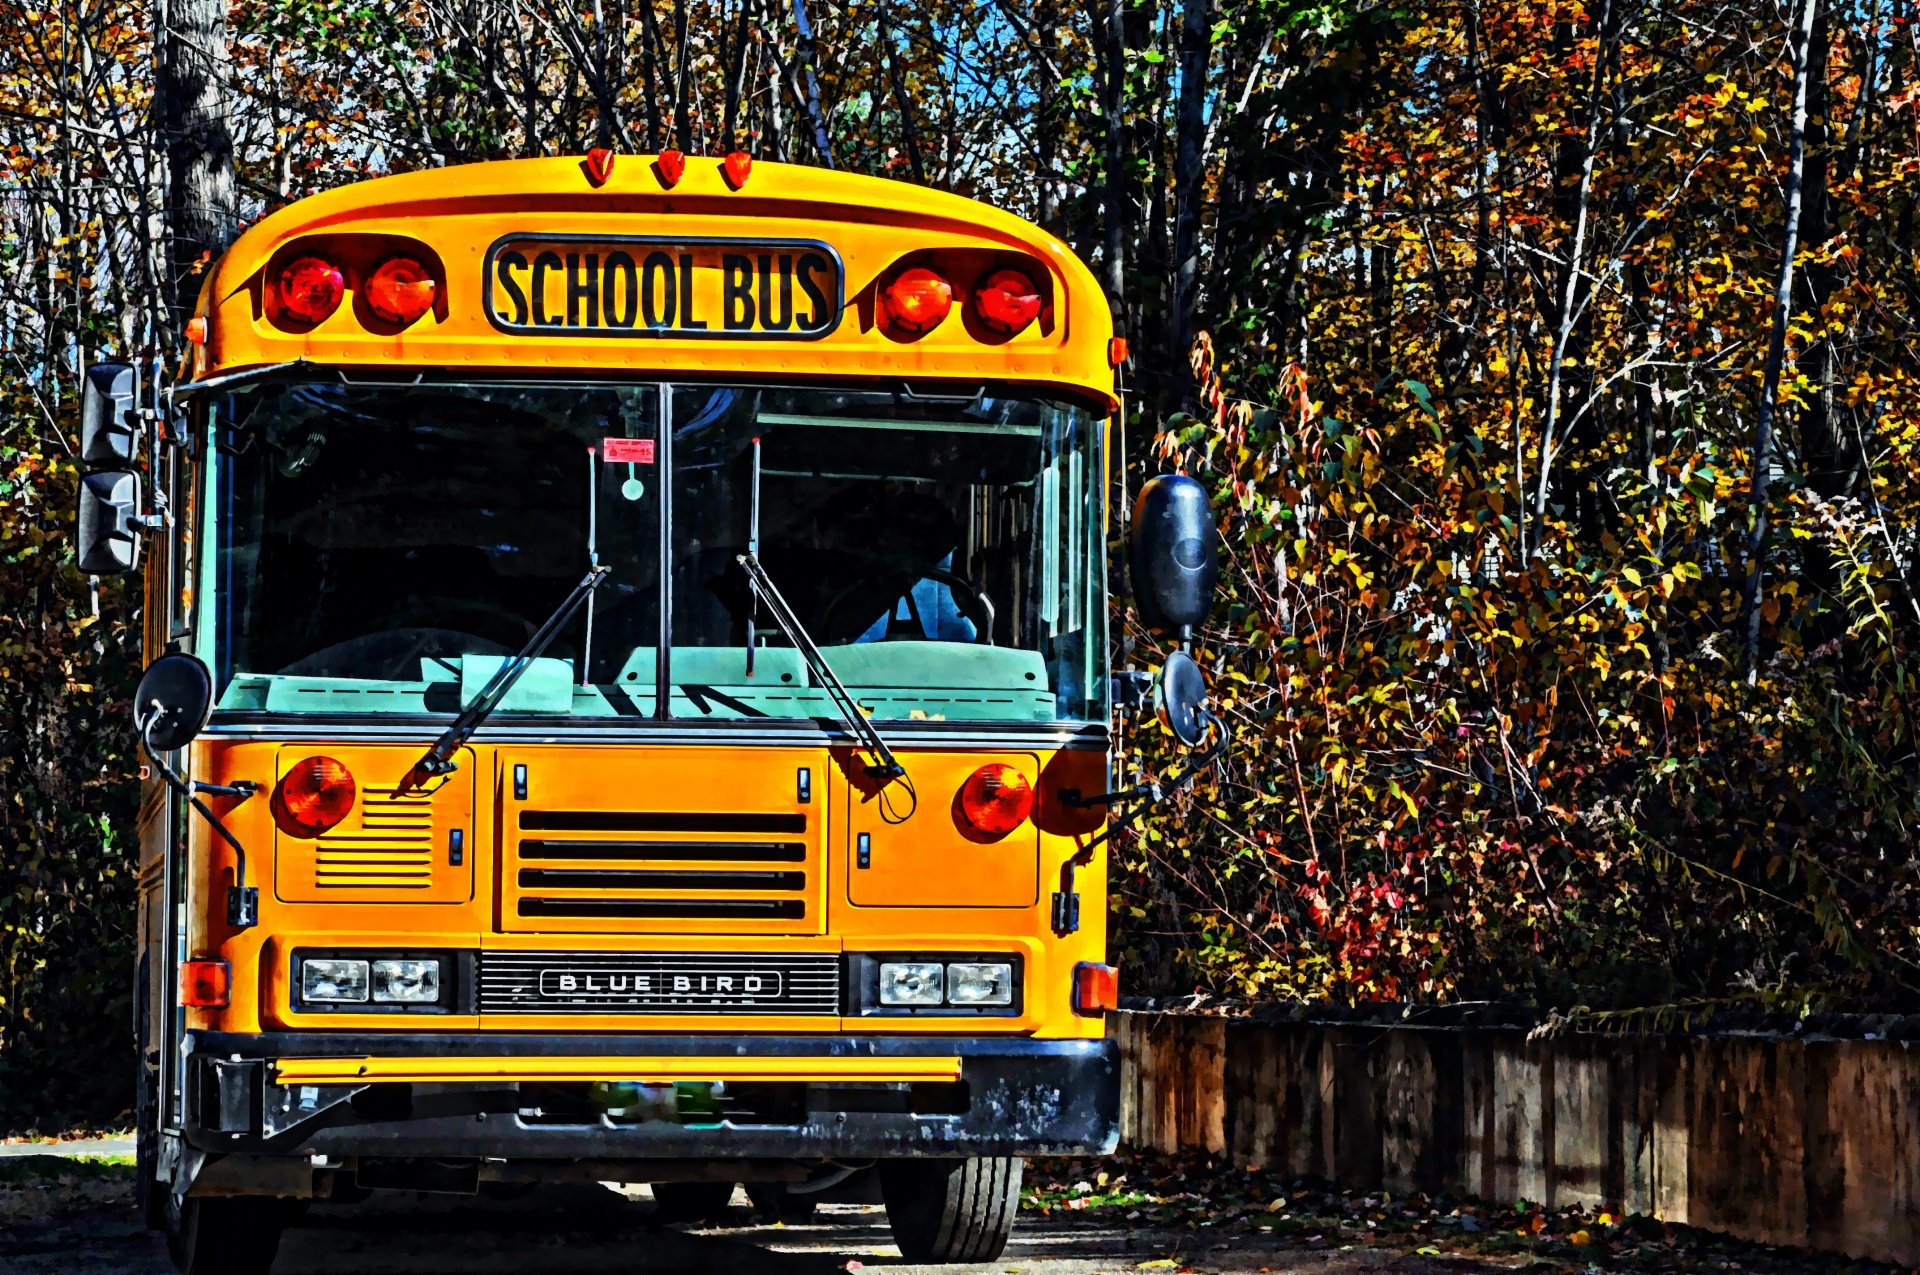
{"x": 627, "y": 451}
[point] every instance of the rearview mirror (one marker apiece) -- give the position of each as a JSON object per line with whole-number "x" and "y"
{"x": 1180, "y": 697}
{"x": 106, "y": 415}
{"x": 1175, "y": 548}
{"x": 171, "y": 704}
{"x": 109, "y": 533}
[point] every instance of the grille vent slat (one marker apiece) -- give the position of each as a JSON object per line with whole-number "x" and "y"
{"x": 391, "y": 850}
{"x": 658, "y": 983}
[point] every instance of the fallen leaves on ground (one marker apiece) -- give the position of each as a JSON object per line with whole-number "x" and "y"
{"x": 1199, "y": 1194}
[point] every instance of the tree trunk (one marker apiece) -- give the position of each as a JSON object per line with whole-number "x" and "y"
{"x": 191, "y": 88}
{"x": 1196, "y": 49}
{"x": 1777, "y": 340}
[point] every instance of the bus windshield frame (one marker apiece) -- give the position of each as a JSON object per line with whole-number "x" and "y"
{"x": 378, "y": 547}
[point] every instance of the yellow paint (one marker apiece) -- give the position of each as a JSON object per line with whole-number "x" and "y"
{"x": 929, "y": 887}
{"x": 641, "y": 1070}
{"x": 458, "y": 214}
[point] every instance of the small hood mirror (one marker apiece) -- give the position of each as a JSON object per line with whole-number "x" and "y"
{"x": 172, "y": 702}
{"x": 1179, "y": 699}
{"x": 1175, "y": 549}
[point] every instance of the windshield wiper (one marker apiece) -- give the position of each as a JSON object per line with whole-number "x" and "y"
{"x": 439, "y": 758}
{"x": 886, "y": 767}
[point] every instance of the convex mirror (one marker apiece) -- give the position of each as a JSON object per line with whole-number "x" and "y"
{"x": 1175, "y": 550}
{"x": 173, "y": 700}
{"x": 1180, "y": 697}
{"x": 108, "y": 540}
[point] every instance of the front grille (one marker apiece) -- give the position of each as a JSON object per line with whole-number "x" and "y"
{"x": 660, "y": 870}
{"x": 658, "y": 983}
{"x": 391, "y": 850}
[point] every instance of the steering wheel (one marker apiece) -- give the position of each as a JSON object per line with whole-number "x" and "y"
{"x": 970, "y": 598}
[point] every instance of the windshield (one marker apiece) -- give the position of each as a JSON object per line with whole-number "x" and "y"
{"x": 382, "y": 548}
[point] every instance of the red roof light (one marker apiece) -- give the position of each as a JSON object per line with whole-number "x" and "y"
{"x": 917, "y": 300}
{"x": 1006, "y": 301}
{"x": 400, "y": 290}
{"x": 310, "y": 288}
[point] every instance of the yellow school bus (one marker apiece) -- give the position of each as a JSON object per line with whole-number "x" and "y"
{"x": 629, "y": 698}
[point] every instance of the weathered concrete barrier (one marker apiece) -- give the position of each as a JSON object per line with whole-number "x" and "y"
{"x": 1811, "y": 1143}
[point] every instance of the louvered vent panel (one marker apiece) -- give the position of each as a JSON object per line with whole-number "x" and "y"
{"x": 391, "y": 849}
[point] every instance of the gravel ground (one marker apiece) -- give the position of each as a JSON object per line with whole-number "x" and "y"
{"x": 74, "y": 1218}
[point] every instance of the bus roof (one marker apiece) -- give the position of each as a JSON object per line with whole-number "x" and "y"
{"x": 560, "y": 266}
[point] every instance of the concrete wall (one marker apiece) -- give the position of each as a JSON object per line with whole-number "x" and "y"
{"x": 1809, "y": 1143}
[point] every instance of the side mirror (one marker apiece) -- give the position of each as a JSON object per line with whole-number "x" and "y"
{"x": 109, "y": 533}
{"x": 1179, "y": 699}
{"x": 1175, "y": 551}
{"x": 172, "y": 702}
{"x": 106, "y": 415}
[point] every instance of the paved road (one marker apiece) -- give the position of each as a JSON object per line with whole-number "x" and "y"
{"x": 578, "y": 1230}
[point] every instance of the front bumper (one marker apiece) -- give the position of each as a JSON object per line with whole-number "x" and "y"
{"x": 481, "y": 1096}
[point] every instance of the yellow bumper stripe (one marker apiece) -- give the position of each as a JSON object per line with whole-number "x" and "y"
{"x": 649, "y": 1070}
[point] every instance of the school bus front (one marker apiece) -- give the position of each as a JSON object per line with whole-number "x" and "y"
{"x": 655, "y": 623}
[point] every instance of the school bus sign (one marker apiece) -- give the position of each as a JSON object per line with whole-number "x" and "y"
{"x": 639, "y": 286}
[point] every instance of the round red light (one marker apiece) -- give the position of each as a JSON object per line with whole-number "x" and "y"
{"x": 400, "y": 290}
{"x": 310, "y": 289}
{"x": 1006, "y": 301}
{"x": 917, "y": 300}
{"x": 996, "y": 799}
{"x": 313, "y": 796}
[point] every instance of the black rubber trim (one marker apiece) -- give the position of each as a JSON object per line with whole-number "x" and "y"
{"x": 644, "y": 1044}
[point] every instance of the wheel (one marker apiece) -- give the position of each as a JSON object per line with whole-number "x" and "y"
{"x": 692, "y": 1201}
{"x": 775, "y": 1200}
{"x": 225, "y": 1235}
{"x": 951, "y": 1210}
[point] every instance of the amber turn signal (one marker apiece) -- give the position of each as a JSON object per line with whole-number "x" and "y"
{"x": 916, "y": 300}
{"x": 400, "y": 290}
{"x": 1096, "y": 988}
{"x": 313, "y": 796}
{"x": 996, "y": 799}
{"x": 205, "y": 984}
{"x": 310, "y": 288}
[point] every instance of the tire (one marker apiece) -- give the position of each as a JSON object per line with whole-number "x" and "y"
{"x": 225, "y": 1235}
{"x": 692, "y": 1201}
{"x": 951, "y": 1210}
{"x": 774, "y": 1200}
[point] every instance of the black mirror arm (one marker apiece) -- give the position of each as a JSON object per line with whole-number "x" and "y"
{"x": 243, "y": 901}
{"x": 1066, "y": 901}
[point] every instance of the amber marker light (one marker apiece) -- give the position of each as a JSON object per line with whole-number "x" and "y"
{"x": 1096, "y": 988}
{"x": 314, "y": 795}
{"x": 400, "y": 290}
{"x": 996, "y": 799}
{"x": 916, "y": 300}
{"x": 205, "y": 984}
{"x": 310, "y": 288}
{"x": 1006, "y": 301}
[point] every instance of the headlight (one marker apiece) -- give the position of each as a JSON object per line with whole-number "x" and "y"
{"x": 400, "y": 982}
{"x": 910, "y": 983}
{"x": 333, "y": 981}
{"x": 980, "y": 984}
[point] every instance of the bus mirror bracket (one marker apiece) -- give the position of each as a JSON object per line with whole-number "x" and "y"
{"x": 171, "y": 707}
